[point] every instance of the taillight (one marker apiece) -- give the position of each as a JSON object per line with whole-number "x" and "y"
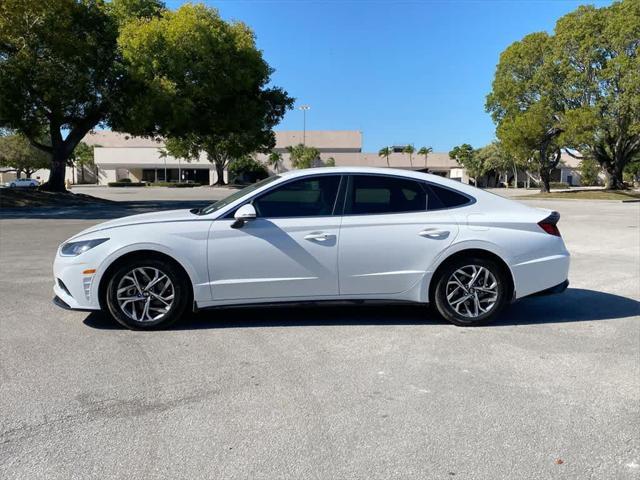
{"x": 549, "y": 224}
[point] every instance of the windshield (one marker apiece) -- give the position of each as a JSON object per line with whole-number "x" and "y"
{"x": 236, "y": 195}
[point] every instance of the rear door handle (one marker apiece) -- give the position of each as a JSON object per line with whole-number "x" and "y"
{"x": 318, "y": 236}
{"x": 434, "y": 233}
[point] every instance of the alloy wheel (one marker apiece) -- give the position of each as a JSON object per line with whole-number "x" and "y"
{"x": 472, "y": 291}
{"x": 145, "y": 294}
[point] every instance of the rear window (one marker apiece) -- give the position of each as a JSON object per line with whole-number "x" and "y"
{"x": 378, "y": 194}
{"x": 441, "y": 198}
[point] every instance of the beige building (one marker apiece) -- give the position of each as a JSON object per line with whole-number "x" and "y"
{"x": 119, "y": 156}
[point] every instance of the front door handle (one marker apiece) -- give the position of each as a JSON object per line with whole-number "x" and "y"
{"x": 434, "y": 233}
{"x": 318, "y": 236}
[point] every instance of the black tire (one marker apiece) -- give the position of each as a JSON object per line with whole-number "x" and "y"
{"x": 460, "y": 319}
{"x": 179, "y": 285}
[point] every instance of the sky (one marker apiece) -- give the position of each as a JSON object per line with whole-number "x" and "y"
{"x": 399, "y": 71}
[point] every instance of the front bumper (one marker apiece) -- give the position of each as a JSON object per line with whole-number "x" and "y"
{"x": 72, "y": 287}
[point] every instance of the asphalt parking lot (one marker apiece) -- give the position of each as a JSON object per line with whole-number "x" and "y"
{"x": 552, "y": 390}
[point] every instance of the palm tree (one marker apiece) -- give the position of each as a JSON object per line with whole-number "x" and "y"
{"x": 425, "y": 151}
{"x": 385, "y": 152}
{"x": 410, "y": 149}
{"x": 274, "y": 161}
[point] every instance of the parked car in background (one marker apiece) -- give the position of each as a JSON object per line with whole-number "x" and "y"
{"x": 24, "y": 182}
{"x": 327, "y": 234}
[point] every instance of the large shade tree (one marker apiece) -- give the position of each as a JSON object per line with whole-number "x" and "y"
{"x": 525, "y": 104}
{"x": 68, "y": 66}
{"x": 598, "y": 50}
{"x": 578, "y": 89}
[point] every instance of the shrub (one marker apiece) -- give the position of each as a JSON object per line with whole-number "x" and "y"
{"x": 558, "y": 185}
{"x": 589, "y": 170}
{"x": 125, "y": 180}
{"x": 247, "y": 170}
{"x": 184, "y": 185}
{"x": 127, "y": 184}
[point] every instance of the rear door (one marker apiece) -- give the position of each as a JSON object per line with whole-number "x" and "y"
{"x": 388, "y": 237}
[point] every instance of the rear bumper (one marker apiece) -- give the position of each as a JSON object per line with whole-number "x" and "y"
{"x": 561, "y": 287}
{"x": 541, "y": 274}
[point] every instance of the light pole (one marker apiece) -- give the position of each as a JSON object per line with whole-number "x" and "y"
{"x": 304, "y": 109}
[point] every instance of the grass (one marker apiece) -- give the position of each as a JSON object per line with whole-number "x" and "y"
{"x": 588, "y": 195}
{"x": 31, "y": 197}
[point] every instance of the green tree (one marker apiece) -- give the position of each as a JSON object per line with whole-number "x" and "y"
{"x": 17, "y": 153}
{"x": 589, "y": 170}
{"x": 385, "y": 152}
{"x": 525, "y": 104}
{"x": 131, "y": 65}
{"x": 82, "y": 158}
{"x": 127, "y": 10}
{"x": 425, "y": 151}
{"x": 598, "y": 50}
{"x": 632, "y": 172}
{"x": 247, "y": 169}
{"x": 221, "y": 151}
{"x": 494, "y": 157}
{"x": 274, "y": 160}
{"x": 468, "y": 158}
{"x": 410, "y": 149}
{"x": 303, "y": 156}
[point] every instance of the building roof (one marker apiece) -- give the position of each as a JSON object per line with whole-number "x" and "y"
{"x": 109, "y": 139}
{"x": 333, "y": 140}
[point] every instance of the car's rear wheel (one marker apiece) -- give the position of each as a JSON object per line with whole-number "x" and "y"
{"x": 147, "y": 294}
{"x": 471, "y": 291}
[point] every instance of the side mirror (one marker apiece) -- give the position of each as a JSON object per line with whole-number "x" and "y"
{"x": 243, "y": 215}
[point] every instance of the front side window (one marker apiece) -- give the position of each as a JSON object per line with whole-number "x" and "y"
{"x": 375, "y": 194}
{"x": 237, "y": 195}
{"x": 307, "y": 197}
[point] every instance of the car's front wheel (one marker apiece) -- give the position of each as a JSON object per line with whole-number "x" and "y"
{"x": 471, "y": 291}
{"x": 147, "y": 294}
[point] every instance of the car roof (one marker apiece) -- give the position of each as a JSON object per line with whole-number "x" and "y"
{"x": 398, "y": 172}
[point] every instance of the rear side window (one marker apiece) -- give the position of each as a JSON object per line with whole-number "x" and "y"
{"x": 374, "y": 194}
{"x": 308, "y": 197}
{"x": 441, "y": 198}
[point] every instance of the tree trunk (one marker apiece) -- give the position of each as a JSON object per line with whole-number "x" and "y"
{"x": 219, "y": 173}
{"x": 545, "y": 177}
{"x": 614, "y": 179}
{"x": 56, "y": 176}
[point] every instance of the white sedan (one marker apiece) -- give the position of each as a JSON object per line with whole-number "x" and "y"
{"x": 328, "y": 234}
{"x": 24, "y": 182}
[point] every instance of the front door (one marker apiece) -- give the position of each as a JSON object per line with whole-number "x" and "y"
{"x": 388, "y": 237}
{"x": 289, "y": 250}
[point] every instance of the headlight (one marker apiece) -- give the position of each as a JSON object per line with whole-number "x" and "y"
{"x": 73, "y": 249}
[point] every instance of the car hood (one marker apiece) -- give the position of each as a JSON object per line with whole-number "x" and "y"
{"x": 144, "y": 218}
